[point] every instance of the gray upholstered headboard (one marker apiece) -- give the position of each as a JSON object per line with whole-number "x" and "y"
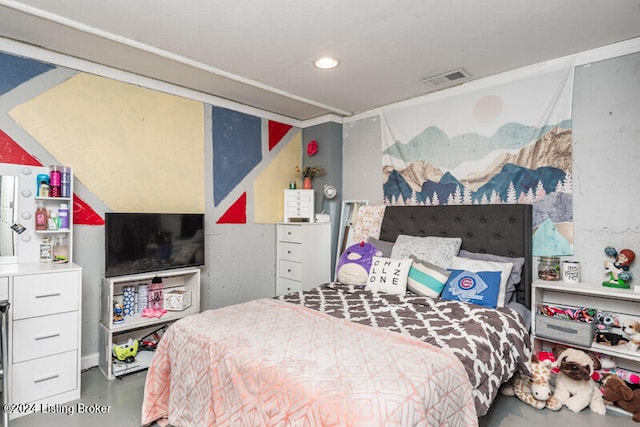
{"x": 497, "y": 229}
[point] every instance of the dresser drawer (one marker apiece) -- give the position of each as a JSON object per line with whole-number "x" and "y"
{"x": 44, "y": 377}
{"x": 41, "y": 336}
{"x": 290, "y": 270}
{"x": 290, "y": 233}
{"x": 42, "y": 294}
{"x": 286, "y": 286}
{"x": 299, "y": 196}
{"x": 290, "y": 251}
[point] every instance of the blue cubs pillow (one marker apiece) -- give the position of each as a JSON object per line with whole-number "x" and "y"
{"x": 482, "y": 287}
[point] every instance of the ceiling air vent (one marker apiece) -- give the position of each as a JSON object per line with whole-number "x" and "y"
{"x": 455, "y": 76}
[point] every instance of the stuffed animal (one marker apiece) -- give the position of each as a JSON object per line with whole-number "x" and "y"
{"x": 620, "y": 394}
{"x": 534, "y": 390}
{"x": 354, "y": 263}
{"x": 632, "y": 329}
{"x": 575, "y": 388}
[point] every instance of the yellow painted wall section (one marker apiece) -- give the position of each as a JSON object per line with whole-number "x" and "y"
{"x": 268, "y": 195}
{"x": 138, "y": 150}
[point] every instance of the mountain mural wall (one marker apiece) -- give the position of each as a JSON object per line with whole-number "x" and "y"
{"x": 449, "y": 162}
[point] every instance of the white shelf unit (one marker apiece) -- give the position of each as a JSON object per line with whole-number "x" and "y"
{"x": 137, "y": 326}
{"x": 624, "y": 303}
{"x": 29, "y": 241}
{"x": 303, "y": 256}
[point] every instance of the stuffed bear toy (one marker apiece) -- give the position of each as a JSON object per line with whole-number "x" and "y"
{"x": 575, "y": 388}
{"x": 355, "y": 262}
{"x": 620, "y": 394}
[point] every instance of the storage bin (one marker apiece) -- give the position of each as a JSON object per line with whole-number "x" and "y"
{"x": 565, "y": 330}
{"x": 177, "y": 299}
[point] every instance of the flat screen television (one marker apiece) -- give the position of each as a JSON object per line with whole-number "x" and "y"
{"x": 146, "y": 242}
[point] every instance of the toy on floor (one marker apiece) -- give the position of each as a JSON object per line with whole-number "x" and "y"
{"x": 355, "y": 262}
{"x": 618, "y": 270}
{"x": 632, "y": 329}
{"x": 534, "y": 390}
{"x": 575, "y": 388}
{"x": 126, "y": 352}
{"x": 620, "y": 394}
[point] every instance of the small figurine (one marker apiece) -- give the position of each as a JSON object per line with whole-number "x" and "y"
{"x": 118, "y": 313}
{"x": 618, "y": 270}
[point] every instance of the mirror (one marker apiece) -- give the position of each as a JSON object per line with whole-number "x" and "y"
{"x": 8, "y": 213}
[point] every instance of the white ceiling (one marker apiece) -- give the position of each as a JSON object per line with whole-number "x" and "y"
{"x": 260, "y": 52}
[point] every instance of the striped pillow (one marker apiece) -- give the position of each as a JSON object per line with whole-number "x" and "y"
{"x": 426, "y": 279}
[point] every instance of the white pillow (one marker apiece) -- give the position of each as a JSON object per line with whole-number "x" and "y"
{"x": 475, "y": 265}
{"x": 389, "y": 275}
{"x": 436, "y": 250}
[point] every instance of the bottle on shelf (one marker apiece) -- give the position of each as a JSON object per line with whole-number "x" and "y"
{"x": 41, "y": 217}
{"x": 63, "y": 216}
{"x": 52, "y": 220}
{"x": 54, "y": 180}
{"x": 43, "y": 189}
{"x": 61, "y": 249}
{"x": 65, "y": 182}
{"x": 46, "y": 250}
{"x": 42, "y": 182}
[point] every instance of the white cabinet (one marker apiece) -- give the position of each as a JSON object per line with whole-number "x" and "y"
{"x": 137, "y": 326}
{"x": 299, "y": 205}
{"x": 44, "y": 333}
{"x": 303, "y": 256}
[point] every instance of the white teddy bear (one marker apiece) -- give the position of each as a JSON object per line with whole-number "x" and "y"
{"x": 574, "y": 387}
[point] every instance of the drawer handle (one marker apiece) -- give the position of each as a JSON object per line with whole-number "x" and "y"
{"x": 288, "y": 270}
{"x": 44, "y": 337}
{"x": 47, "y": 378}
{"x": 288, "y": 252}
{"x": 52, "y": 294}
{"x": 562, "y": 329}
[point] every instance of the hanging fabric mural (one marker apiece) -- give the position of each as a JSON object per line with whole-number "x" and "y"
{"x": 500, "y": 143}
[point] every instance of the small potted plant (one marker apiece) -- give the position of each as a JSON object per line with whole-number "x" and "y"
{"x": 308, "y": 173}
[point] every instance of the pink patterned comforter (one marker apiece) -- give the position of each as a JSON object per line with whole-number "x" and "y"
{"x": 271, "y": 363}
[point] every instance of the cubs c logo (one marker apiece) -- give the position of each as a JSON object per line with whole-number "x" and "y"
{"x": 467, "y": 283}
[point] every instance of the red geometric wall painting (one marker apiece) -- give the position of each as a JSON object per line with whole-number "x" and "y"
{"x": 237, "y": 212}
{"x": 12, "y": 152}
{"x": 276, "y": 132}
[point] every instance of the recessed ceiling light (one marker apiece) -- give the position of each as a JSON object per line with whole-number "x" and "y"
{"x": 326, "y": 63}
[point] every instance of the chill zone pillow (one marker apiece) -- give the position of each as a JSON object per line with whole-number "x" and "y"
{"x": 480, "y": 287}
{"x": 426, "y": 279}
{"x": 389, "y": 275}
{"x": 503, "y": 268}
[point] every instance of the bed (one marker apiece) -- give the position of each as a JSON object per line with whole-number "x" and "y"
{"x": 343, "y": 355}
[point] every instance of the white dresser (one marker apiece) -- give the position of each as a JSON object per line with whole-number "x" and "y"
{"x": 303, "y": 256}
{"x": 44, "y": 333}
{"x": 299, "y": 205}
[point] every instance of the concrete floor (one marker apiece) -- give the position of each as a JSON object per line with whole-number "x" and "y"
{"x": 123, "y": 398}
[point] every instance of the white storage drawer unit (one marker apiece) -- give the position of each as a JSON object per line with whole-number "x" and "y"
{"x": 44, "y": 332}
{"x": 303, "y": 256}
{"x": 299, "y": 205}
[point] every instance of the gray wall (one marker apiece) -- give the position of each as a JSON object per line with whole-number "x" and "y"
{"x": 329, "y": 156}
{"x": 606, "y": 166}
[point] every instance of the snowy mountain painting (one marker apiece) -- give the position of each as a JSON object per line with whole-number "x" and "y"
{"x": 537, "y": 173}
